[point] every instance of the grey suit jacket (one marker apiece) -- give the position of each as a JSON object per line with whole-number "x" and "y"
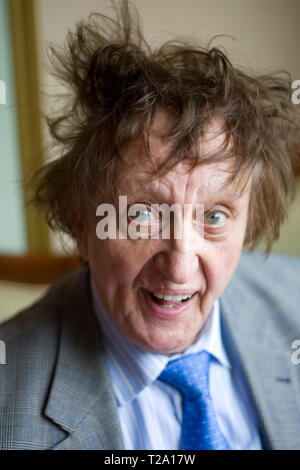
{"x": 55, "y": 390}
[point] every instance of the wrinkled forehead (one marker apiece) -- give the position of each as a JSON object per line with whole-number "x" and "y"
{"x": 202, "y": 184}
{"x": 142, "y": 158}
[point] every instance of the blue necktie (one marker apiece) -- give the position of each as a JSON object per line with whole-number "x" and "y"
{"x": 189, "y": 374}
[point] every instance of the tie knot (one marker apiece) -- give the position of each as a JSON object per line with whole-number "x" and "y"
{"x": 189, "y": 374}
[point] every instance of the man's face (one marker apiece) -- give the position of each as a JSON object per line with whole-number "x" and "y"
{"x": 126, "y": 272}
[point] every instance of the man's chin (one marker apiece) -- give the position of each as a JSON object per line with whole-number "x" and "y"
{"x": 167, "y": 346}
{"x": 161, "y": 335}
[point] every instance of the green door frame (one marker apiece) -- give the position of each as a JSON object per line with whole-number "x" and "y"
{"x": 23, "y": 26}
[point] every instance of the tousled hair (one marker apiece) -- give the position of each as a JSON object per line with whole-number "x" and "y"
{"x": 116, "y": 83}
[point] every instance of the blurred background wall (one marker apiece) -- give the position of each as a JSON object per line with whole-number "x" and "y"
{"x": 265, "y": 36}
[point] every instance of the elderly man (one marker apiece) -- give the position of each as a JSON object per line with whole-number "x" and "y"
{"x": 161, "y": 342}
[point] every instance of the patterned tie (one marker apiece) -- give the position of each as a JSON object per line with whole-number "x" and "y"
{"x": 189, "y": 374}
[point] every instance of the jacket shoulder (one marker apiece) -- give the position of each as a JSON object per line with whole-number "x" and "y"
{"x": 277, "y": 265}
{"x": 32, "y": 342}
{"x": 270, "y": 285}
{"x": 278, "y": 273}
{"x": 45, "y": 311}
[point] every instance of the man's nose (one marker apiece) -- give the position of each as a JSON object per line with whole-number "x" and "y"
{"x": 178, "y": 260}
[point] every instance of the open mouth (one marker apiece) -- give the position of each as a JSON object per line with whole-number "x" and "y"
{"x": 168, "y": 301}
{"x": 166, "y": 305}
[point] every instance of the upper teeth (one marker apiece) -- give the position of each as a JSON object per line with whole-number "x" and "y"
{"x": 176, "y": 298}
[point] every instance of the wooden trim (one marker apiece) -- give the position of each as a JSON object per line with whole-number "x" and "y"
{"x": 22, "y": 13}
{"x": 36, "y": 269}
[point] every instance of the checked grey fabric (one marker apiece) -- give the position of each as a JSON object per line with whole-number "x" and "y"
{"x": 190, "y": 375}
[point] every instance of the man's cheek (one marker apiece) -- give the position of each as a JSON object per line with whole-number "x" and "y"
{"x": 126, "y": 270}
{"x": 127, "y": 263}
{"x": 221, "y": 270}
{"x": 231, "y": 263}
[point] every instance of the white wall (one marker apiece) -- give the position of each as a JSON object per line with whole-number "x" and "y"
{"x": 266, "y": 32}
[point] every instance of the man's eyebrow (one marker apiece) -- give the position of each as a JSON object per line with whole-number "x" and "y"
{"x": 223, "y": 195}
{"x": 231, "y": 191}
{"x": 142, "y": 193}
{"x": 228, "y": 194}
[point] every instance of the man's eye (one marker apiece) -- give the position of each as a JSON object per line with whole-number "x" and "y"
{"x": 144, "y": 221}
{"x": 215, "y": 218}
{"x": 143, "y": 215}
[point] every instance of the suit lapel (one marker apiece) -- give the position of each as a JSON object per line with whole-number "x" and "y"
{"x": 81, "y": 399}
{"x": 264, "y": 351}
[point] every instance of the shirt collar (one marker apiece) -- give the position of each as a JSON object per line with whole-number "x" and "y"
{"x": 132, "y": 369}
